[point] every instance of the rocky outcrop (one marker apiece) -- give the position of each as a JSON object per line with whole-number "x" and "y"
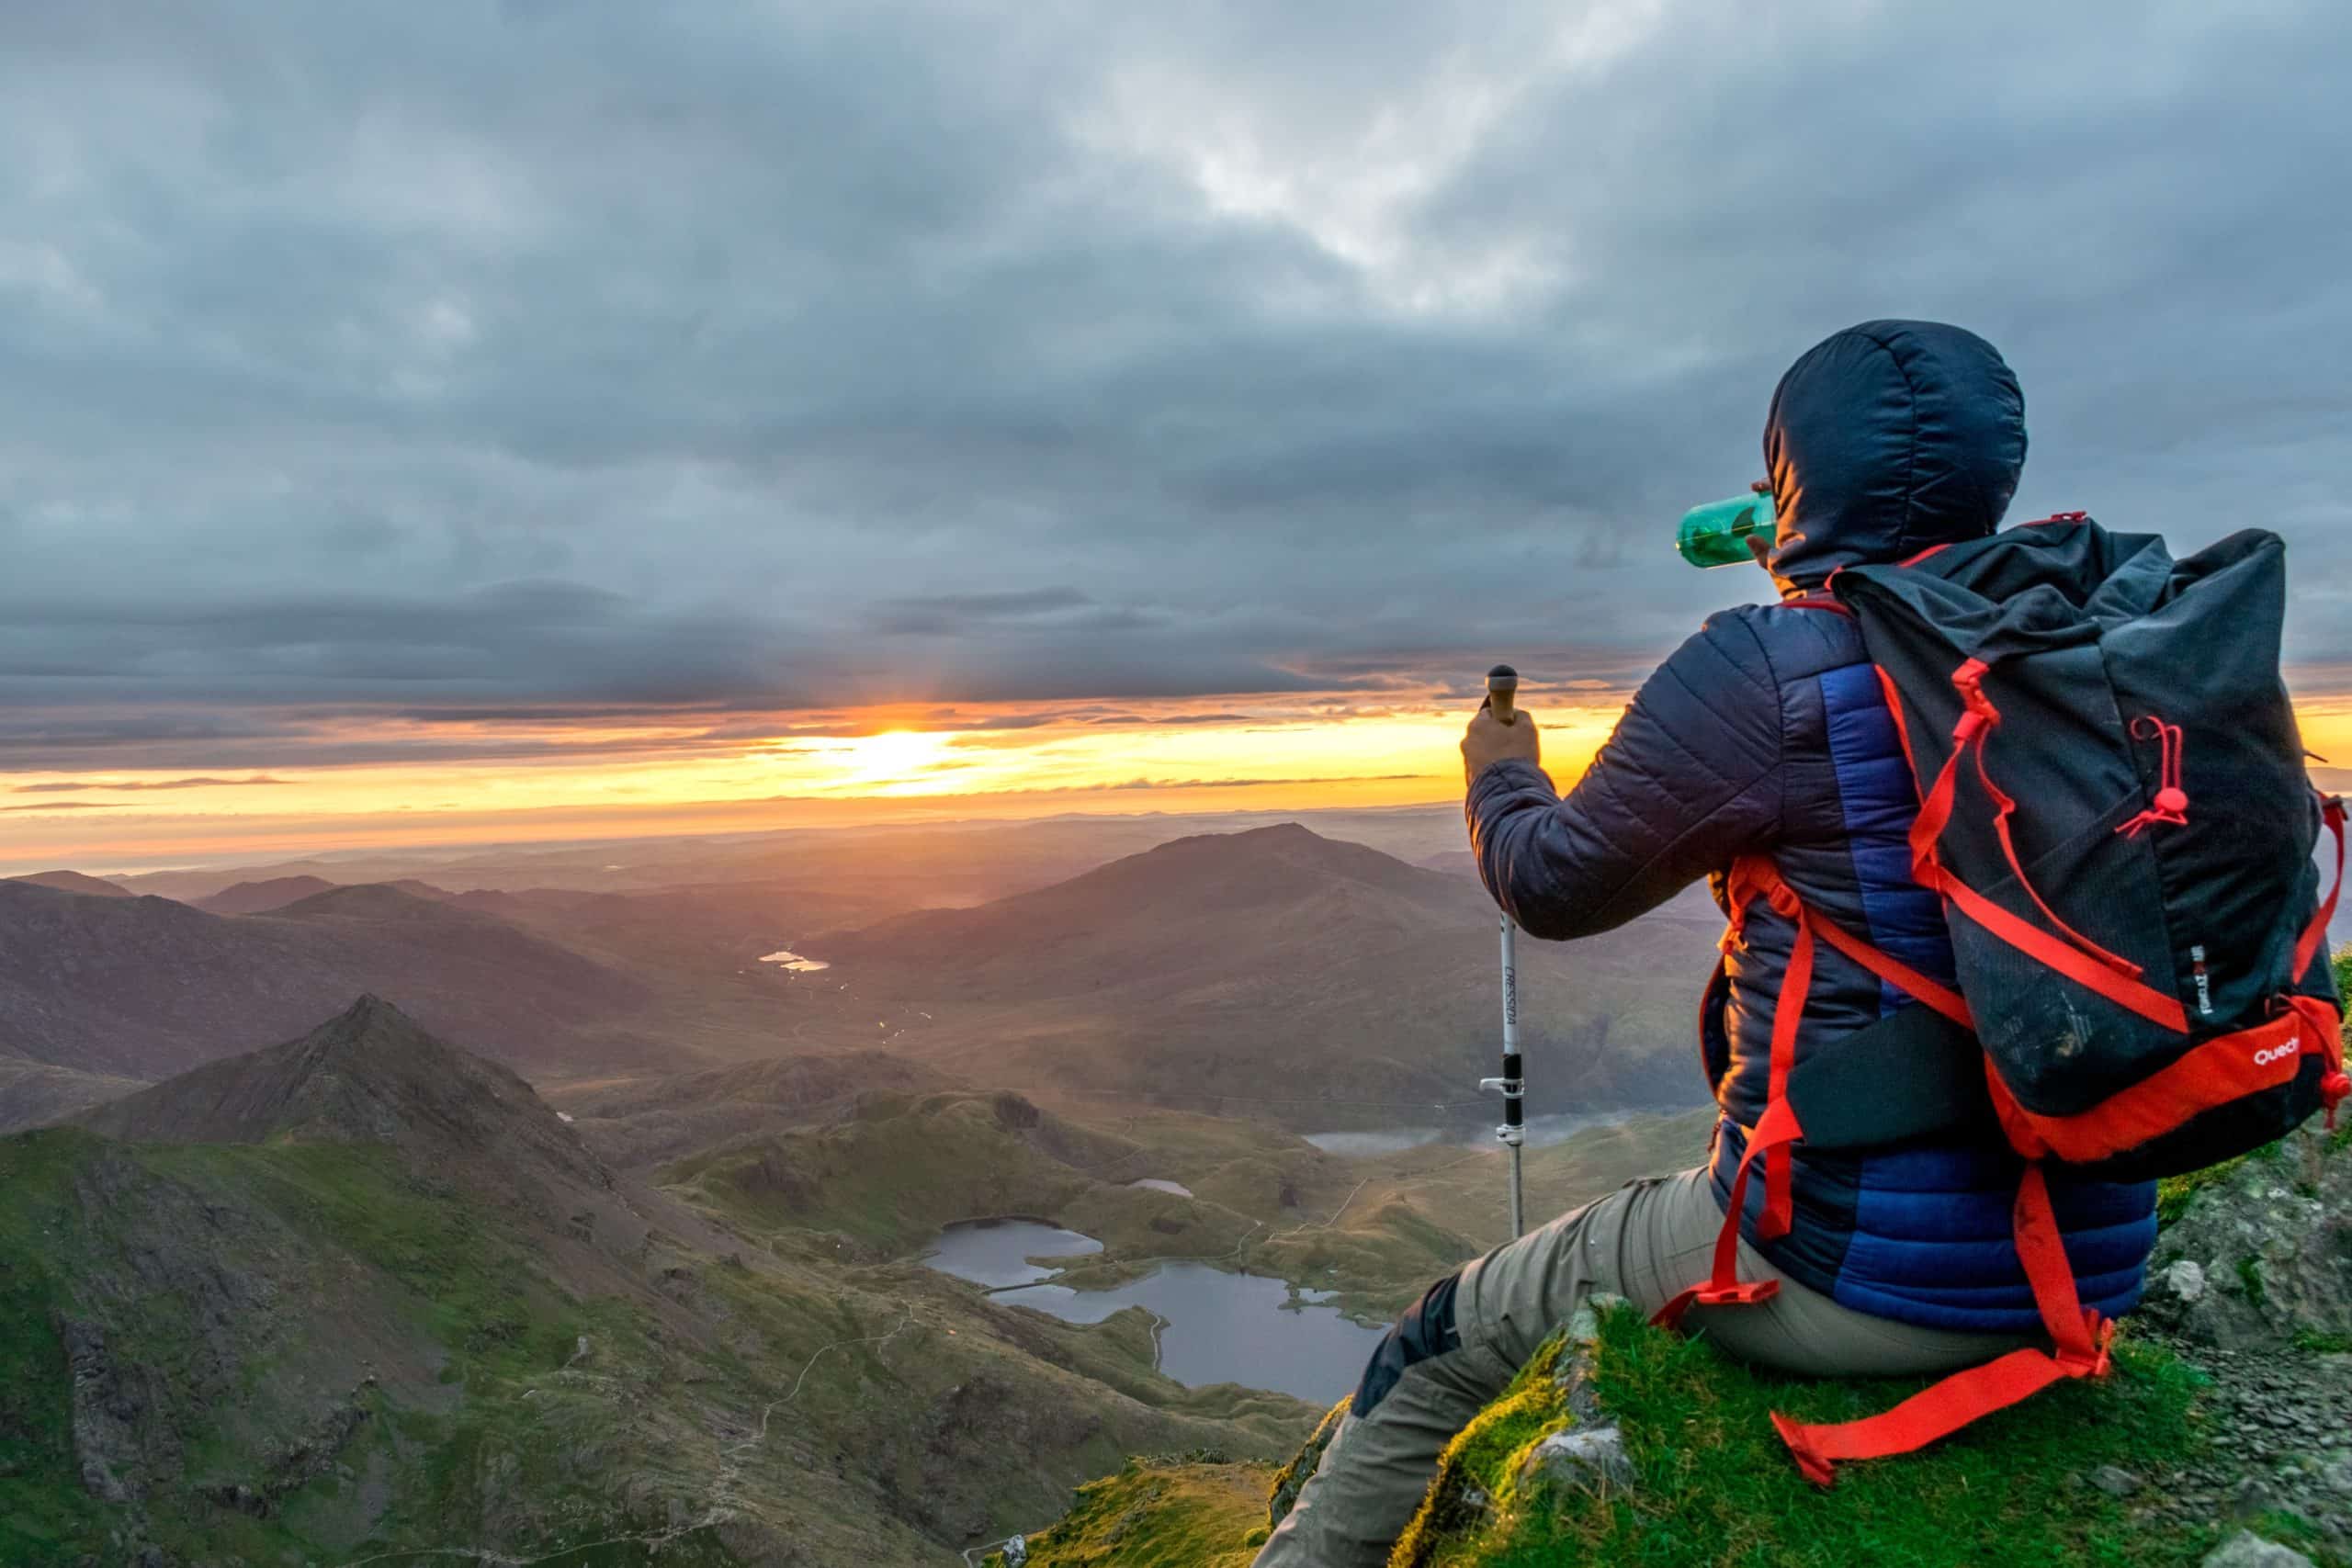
{"x": 2247, "y": 1550}
{"x": 1291, "y": 1478}
{"x": 2258, "y": 1253}
{"x": 1588, "y": 1459}
{"x": 110, "y": 1409}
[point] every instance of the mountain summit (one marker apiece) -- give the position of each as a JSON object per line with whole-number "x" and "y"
{"x": 371, "y": 1075}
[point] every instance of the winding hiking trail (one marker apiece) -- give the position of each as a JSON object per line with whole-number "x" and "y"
{"x": 722, "y": 1487}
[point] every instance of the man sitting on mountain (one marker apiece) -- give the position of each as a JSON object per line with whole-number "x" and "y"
{"x": 1765, "y": 733}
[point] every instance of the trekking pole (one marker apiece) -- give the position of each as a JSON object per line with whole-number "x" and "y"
{"x": 1502, "y": 695}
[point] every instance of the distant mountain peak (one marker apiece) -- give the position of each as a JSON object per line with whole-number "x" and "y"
{"x": 371, "y": 1074}
{"x": 264, "y": 896}
{"x": 1275, "y": 833}
{"x": 76, "y": 881}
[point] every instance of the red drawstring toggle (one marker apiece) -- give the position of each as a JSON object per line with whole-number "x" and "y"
{"x": 1968, "y": 681}
{"x": 2171, "y": 803}
{"x": 2332, "y": 1090}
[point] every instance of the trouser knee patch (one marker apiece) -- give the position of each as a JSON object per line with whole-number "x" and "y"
{"x": 1427, "y": 1329}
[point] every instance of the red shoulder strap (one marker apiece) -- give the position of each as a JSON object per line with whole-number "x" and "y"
{"x": 1751, "y": 877}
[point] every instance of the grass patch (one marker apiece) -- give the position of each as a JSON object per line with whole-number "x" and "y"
{"x": 1158, "y": 1514}
{"x": 45, "y": 1516}
{"x": 1717, "y": 1488}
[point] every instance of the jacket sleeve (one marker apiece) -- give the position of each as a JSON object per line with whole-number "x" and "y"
{"x": 1689, "y": 778}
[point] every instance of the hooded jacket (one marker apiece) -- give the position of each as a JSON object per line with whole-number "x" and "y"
{"x": 1767, "y": 734}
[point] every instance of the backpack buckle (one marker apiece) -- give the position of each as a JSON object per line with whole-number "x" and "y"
{"x": 1739, "y": 1292}
{"x": 2099, "y": 1360}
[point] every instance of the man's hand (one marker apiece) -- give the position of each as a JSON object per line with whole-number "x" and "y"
{"x": 1490, "y": 740}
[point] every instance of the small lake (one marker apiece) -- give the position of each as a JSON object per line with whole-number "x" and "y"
{"x": 1218, "y": 1327}
{"x": 996, "y": 1253}
{"x": 795, "y": 963}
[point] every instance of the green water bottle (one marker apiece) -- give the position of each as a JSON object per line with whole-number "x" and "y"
{"x": 1717, "y": 533}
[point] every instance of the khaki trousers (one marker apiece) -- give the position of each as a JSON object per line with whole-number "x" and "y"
{"x": 1645, "y": 1242}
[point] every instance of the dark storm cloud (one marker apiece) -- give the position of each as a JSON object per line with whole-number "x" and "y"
{"x": 504, "y": 363}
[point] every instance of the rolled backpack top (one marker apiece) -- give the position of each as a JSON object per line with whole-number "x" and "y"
{"x": 2114, "y": 807}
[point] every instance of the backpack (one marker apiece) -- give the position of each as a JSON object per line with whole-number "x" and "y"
{"x": 2114, "y": 807}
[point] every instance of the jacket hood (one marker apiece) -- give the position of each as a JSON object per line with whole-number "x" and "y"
{"x": 1885, "y": 439}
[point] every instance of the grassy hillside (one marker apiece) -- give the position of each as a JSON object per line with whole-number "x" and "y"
{"x": 881, "y": 1181}
{"x": 448, "y": 1336}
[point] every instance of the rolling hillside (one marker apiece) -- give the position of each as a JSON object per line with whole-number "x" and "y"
{"x": 257, "y": 898}
{"x": 1284, "y": 973}
{"x": 75, "y": 882}
{"x": 143, "y": 986}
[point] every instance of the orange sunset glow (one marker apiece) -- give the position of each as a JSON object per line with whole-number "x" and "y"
{"x": 875, "y": 765}
{"x": 831, "y": 768}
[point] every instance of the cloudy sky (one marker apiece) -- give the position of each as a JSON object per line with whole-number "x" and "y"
{"x": 513, "y": 419}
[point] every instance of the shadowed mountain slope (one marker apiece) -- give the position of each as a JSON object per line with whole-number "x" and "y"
{"x": 144, "y": 986}
{"x": 371, "y": 1075}
{"x": 1283, "y": 971}
{"x": 33, "y": 1094}
{"x": 635, "y": 1122}
{"x": 257, "y": 898}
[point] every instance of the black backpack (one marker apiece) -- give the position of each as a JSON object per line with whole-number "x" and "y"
{"x": 2114, "y": 807}
{"x": 2114, "y": 804}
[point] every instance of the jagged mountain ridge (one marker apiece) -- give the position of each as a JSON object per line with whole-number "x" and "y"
{"x": 370, "y": 1073}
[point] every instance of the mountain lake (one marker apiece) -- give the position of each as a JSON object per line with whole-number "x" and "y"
{"x": 1215, "y": 1327}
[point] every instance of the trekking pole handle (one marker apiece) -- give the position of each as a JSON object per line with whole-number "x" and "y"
{"x": 1502, "y": 694}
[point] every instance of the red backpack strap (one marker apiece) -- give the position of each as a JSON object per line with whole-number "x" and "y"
{"x": 1777, "y": 1130}
{"x": 2079, "y": 1340}
{"x": 2331, "y": 813}
{"x": 2323, "y": 1025}
{"x": 2077, "y": 957}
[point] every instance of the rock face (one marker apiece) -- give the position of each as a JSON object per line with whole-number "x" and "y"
{"x": 2247, "y": 1550}
{"x": 109, "y": 1411}
{"x": 1590, "y": 1458}
{"x": 2260, "y": 1255}
{"x": 1291, "y": 1477}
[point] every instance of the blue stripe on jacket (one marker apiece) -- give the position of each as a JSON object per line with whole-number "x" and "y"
{"x": 1931, "y": 1239}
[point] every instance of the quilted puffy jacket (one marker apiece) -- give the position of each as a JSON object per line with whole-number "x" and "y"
{"x": 1767, "y": 733}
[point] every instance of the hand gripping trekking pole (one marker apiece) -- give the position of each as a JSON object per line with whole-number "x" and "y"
{"x": 1503, "y": 698}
